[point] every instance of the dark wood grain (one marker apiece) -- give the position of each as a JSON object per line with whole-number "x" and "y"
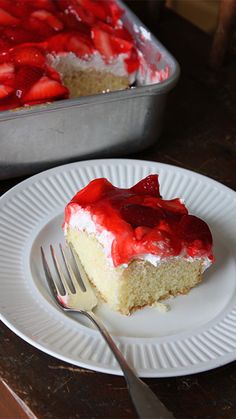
{"x": 199, "y": 134}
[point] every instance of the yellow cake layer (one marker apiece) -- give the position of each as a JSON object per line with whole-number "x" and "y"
{"x": 126, "y": 289}
{"x": 90, "y": 81}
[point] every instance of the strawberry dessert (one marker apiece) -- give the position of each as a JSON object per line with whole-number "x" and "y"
{"x": 136, "y": 247}
{"x": 56, "y": 49}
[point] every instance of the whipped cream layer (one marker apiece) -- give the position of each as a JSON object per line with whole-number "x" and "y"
{"x": 82, "y": 220}
{"x": 64, "y": 63}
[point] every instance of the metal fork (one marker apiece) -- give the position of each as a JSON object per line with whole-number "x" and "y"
{"x": 82, "y": 299}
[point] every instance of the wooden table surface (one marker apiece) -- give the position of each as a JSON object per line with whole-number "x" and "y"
{"x": 199, "y": 134}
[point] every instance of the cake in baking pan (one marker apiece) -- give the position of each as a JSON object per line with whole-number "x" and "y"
{"x": 59, "y": 49}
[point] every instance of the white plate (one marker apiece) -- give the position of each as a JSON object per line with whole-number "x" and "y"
{"x": 197, "y": 334}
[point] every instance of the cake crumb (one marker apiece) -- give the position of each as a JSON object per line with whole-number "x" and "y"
{"x": 162, "y": 307}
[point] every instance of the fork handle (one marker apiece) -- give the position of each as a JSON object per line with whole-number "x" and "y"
{"x": 145, "y": 401}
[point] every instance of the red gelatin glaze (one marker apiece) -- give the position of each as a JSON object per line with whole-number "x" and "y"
{"x": 142, "y": 222}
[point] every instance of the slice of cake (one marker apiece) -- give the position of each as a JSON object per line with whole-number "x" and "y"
{"x": 136, "y": 247}
{"x": 59, "y": 49}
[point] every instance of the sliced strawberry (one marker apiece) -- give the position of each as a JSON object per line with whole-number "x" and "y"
{"x": 7, "y": 5}
{"x": 28, "y": 55}
{"x": 115, "y": 12}
{"x": 71, "y": 22}
{"x": 4, "y": 45}
{"x": 123, "y": 33}
{"x": 140, "y": 232}
{"x": 106, "y": 11}
{"x": 53, "y": 74}
{"x": 39, "y": 27}
{"x": 193, "y": 228}
{"x": 4, "y": 51}
{"x": 58, "y": 42}
{"x": 102, "y": 42}
{"x": 140, "y": 215}
{"x": 80, "y": 45}
{"x": 64, "y": 5}
{"x": 7, "y": 72}
{"x": 7, "y": 19}
{"x": 175, "y": 206}
{"x": 49, "y": 18}
{"x": 6, "y": 68}
{"x": 48, "y": 5}
{"x": 82, "y": 14}
{"x": 5, "y": 90}
{"x": 120, "y": 33}
{"x": 18, "y": 35}
{"x": 107, "y": 44}
{"x": 97, "y": 8}
{"x": 9, "y": 102}
{"x": 26, "y": 77}
{"x": 46, "y": 88}
{"x": 21, "y": 9}
{"x": 132, "y": 62}
{"x": 121, "y": 45}
{"x": 147, "y": 186}
{"x": 105, "y": 27}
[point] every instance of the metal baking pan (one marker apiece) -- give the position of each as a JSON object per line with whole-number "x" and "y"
{"x": 102, "y": 125}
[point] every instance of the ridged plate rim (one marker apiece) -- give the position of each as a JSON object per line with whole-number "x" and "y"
{"x": 207, "y": 347}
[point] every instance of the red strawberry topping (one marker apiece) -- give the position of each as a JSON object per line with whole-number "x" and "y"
{"x": 82, "y": 14}
{"x": 49, "y": 18}
{"x": 7, "y": 73}
{"x": 72, "y": 22}
{"x": 18, "y": 35}
{"x": 45, "y": 88}
{"x": 132, "y": 61}
{"x": 7, "y": 18}
{"x": 147, "y": 186}
{"x": 195, "y": 234}
{"x": 9, "y": 102}
{"x": 95, "y": 190}
{"x": 107, "y": 43}
{"x": 28, "y": 55}
{"x": 58, "y": 42}
{"x": 141, "y": 222}
{"x": 26, "y": 77}
{"x": 53, "y": 74}
{"x": 106, "y": 11}
{"x": 30, "y": 29}
{"x": 5, "y": 90}
{"x": 96, "y": 8}
{"x": 115, "y": 12}
{"x": 102, "y": 42}
{"x": 7, "y": 6}
{"x": 48, "y": 5}
{"x": 174, "y": 206}
{"x": 140, "y": 215}
{"x": 80, "y": 44}
{"x": 40, "y": 28}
